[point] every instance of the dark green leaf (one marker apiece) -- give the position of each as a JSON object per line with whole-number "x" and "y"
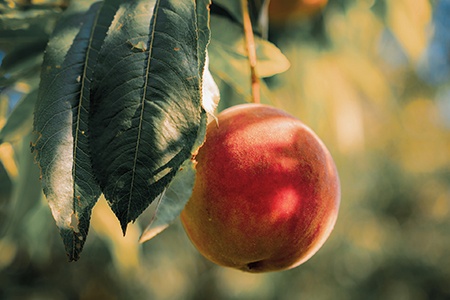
{"x": 61, "y": 122}
{"x": 174, "y": 198}
{"x": 146, "y": 116}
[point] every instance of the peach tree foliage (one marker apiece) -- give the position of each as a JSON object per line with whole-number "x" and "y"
{"x": 119, "y": 93}
{"x": 119, "y": 107}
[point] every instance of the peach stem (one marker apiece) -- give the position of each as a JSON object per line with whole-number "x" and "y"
{"x": 251, "y": 51}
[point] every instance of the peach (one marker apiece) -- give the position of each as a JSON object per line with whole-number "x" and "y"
{"x": 267, "y": 193}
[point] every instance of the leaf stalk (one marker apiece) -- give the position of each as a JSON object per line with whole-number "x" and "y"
{"x": 251, "y": 51}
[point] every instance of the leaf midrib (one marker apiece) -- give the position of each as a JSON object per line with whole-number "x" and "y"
{"x": 144, "y": 93}
{"x": 80, "y": 106}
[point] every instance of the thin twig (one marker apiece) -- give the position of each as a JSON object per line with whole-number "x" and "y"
{"x": 251, "y": 51}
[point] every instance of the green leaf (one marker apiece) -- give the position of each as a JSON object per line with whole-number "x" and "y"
{"x": 22, "y": 55}
{"x": 6, "y": 187}
{"x": 204, "y": 32}
{"x": 172, "y": 201}
{"x": 229, "y": 61}
{"x": 233, "y": 7}
{"x": 231, "y": 43}
{"x": 27, "y": 70}
{"x": 234, "y": 95}
{"x": 61, "y": 121}
{"x": 146, "y": 115}
{"x": 20, "y": 121}
{"x": 19, "y": 26}
{"x": 210, "y": 92}
{"x": 234, "y": 10}
{"x": 23, "y": 62}
{"x": 26, "y": 193}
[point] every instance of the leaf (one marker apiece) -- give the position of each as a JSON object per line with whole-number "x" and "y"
{"x": 19, "y": 26}
{"x": 231, "y": 43}
{"x": 26, "y": 193}
{"x": 229, "y": 61}
{"x": 172, "y": 201}
{"x": 61, "y": 121}
{"x": 6, "y": 187}
{"x": 28, "y": 70}
{"x": 203, "y": 31}
{"x": 257, "y": 8}
{"x": 20, "y": 121}
{"x": 146, "y": 115}
{"x": 23, "y": 61}
{"x": 234, "y": 95}
{"x": 22, "y": 55}
{"x": 210, "y": 92}
{"x": 233, "y": 8}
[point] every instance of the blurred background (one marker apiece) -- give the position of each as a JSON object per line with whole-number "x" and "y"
{"x": 370, "y": 77}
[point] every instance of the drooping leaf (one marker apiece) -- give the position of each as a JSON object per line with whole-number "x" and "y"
{"x": 146, "y": 116}
{"x": 61, "y": 122}
{"x": 172, "y": 201}
{"x": 229, "y": 60}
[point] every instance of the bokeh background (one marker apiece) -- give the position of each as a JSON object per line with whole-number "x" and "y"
{"x": 372, "y": 78}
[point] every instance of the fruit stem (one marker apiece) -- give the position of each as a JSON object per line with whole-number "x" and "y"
{"x": 251, "y": 51}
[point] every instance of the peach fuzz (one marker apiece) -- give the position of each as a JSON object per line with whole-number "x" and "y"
{"x": 266, "y": 194}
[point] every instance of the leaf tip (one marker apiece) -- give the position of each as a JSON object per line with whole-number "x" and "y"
{"x": 73, "y": 242}
{"x": 124, "y": 226}
{"x": 151, "y": 232}
{"x": 73, "y": 257}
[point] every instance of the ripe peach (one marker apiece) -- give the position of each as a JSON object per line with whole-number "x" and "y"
{"x": 267, "y": 193}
